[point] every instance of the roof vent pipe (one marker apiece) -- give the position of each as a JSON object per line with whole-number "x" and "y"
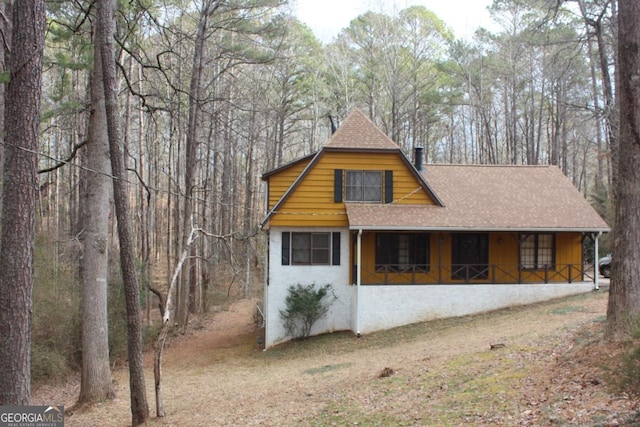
{"x": 417, "y": 158}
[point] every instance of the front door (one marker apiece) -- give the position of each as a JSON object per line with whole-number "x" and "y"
{"x": 469, "y": 256}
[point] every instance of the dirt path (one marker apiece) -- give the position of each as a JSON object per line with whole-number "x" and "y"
{"x": 217, "y": 377}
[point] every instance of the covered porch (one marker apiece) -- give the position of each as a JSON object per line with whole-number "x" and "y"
{"x": 403, "y": 276}
{"x": 428, "y": 257}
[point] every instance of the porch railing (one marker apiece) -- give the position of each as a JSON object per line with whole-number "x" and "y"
{"x": 475, "y": 273}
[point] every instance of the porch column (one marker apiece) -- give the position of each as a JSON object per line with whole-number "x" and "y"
{"x": 440, "y": 241}
{"x": 596, "y": 273}
{"x": 358, "y": 279}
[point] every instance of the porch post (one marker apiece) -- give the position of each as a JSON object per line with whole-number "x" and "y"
{"x": 596, "y": 280}
{"x": 358, "y": 279}
{"x": 440, "y": 240}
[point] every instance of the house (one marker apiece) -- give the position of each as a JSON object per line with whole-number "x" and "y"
{"x": 401, "y": 243}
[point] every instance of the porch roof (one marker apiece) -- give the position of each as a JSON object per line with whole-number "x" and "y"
{"x": 487, "y": 198}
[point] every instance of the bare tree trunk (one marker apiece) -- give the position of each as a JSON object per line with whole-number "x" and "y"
{"x": 162, "y": 335}
{"x": 623, "y": 311}
{"x": 106, "y": 24}
{"x": 195, "y": 93}
{"x": 94, "y": 216}
{"x": 610, "y": 114}
{"x": 20, "y": 181}
{"x": 5, "y": 28}
{"x": 600, "y": 187}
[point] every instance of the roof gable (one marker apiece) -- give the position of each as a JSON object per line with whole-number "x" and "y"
{"x": 291, "y": 164}
{"x": 358, "y": 132}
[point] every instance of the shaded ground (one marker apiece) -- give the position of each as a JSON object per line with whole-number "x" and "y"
{"x": 439, "y": 373}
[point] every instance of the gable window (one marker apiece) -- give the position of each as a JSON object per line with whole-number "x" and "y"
{"x": 400, "y": 252}
{"x": 537, "y": 251}
{"x": 363, "y": 186}
{"x": 302, "y": 248}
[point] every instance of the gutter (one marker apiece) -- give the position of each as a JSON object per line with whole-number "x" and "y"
{"x": 479, "y": 229}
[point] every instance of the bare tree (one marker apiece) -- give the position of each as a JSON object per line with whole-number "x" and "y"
{"x": 623, "y": 311}
{"x": 22, "y": 117}
{"x": 165, "y": 308}
{"x": 596, "y": 21}
{"x": 106, "y": 24}
{"x": 195, "y": 97}
{"x": 94, "y": 236}
{"x": 5, "y": 29}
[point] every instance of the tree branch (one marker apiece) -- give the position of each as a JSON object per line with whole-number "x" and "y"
{"x": 65, "y": 162}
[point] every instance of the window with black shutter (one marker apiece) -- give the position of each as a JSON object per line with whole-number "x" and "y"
{"x": 308, "y": 248}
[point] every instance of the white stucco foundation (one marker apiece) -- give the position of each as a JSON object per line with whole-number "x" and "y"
{"x": 281, "y": 277}
{"x": 384, "y": 307}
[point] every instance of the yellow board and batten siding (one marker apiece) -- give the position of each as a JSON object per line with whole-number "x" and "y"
{"x": 281, "y": 181}
{"x": 311, "y": 203}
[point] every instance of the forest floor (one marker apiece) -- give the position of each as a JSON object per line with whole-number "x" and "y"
{"x": 551, "y": 367}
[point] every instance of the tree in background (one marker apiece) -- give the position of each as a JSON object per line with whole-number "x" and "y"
{"x": 623, "y": 311}
{"x": 105, "y": 33}
{"x": 266, "y": 85}
{"x": 22, "y": 119}
{"x": 96, "y": 384}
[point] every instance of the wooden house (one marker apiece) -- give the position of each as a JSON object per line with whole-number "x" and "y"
{"x": 402, "y": 243}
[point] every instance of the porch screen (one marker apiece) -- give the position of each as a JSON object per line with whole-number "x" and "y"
{"x": 399, "y": 252}
{"x": 537, "y": 251}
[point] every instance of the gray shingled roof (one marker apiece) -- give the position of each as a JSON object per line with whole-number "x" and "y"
{"x": 477, "y": 197}
{"x": 358, "y": 132}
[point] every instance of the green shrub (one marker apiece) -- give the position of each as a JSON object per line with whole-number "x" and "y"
{"x": 118, "y": 332}
{"x": 117, "y": 312}
{"x": 56, "y": 347}
{"x": 304, "y": 306}
{"x": 56, "y": 337}
{"x": 47, "y": 365}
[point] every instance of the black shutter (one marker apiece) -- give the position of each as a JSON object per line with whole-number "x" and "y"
{"x": 388, "y": 186}
{"x": 286, "y": 245}
{"x": 335, "y": 249}
{"x": 337, "y": 185}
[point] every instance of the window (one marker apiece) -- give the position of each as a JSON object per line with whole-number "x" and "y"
{"x": 310, "y": 248}
{"x": 402, "y": 251}
{"x": 363, "y": 186}
{"x": 537, "y": 251}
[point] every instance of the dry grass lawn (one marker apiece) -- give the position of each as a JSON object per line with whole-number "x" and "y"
{"x": 442, "y": 373}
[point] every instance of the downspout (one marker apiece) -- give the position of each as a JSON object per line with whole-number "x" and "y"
{"x": 358, "y": 280}
{"x": 265, "y": 297}
{"x": 267, "y": 275}
{"x": 596, "y": 273}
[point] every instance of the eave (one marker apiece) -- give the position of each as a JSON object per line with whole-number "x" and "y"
{"x": 483, "y": 229}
